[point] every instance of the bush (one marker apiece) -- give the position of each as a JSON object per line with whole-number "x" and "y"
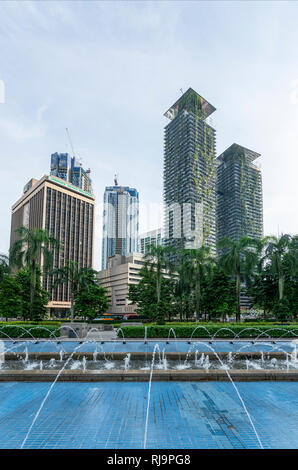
{"x": 28, "y": 331}
{"x": 19, "y": 322}
{"x": 220, "y": 331}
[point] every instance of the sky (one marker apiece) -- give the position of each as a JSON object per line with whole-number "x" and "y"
{"x": 109, "y": 70}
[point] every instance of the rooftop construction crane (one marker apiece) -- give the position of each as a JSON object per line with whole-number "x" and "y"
{"x": 72, "y": 149}
{"x": 84, "y": 174}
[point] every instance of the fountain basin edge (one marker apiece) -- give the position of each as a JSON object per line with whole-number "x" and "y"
{"x": 142, "y": 355}
{"x": 188, "y": 375}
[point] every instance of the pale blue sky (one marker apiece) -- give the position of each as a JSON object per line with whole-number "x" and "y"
{"x": 109, "y": 70}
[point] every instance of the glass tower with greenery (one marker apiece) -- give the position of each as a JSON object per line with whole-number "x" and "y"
{"x": 190, "y": 174}
{"x": 239, "y": 188}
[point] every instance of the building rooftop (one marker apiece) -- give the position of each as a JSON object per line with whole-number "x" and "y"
{"x": 235, "y": 150}
{"x": 54, "y": 180}
{"x": 190, "y": 101}
{"x": 121, "y": 189}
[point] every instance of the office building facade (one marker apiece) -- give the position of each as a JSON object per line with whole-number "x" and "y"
{"x": 121, "y": 271}
{"x": 67, "y": 213}
{"x": 239, "y": 194}
{"x": 153, "y": 237}
{"x": 190, "y": 174}
{"x": 120, "y": 222}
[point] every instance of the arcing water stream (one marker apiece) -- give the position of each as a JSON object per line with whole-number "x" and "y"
{"x": 204, "y": 361}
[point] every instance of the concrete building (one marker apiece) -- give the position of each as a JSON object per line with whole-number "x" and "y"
{"x": 121, "y": 271}
{"x": 239, "y": 198}
{"x": 153, "y": 237}
{"x": 67, "y": 213}
{"x": 120, "y": 222}
{"x": 190, "y": 174}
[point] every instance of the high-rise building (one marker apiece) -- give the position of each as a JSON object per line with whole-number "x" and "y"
{"x": 153, "y": 237}
{"x": 69, "y": 169}
{"x": 120, "y": 222}
{"x": 190, "y": 174}
{"x": 67, "y": 213}
{"x": 239, "y": 198}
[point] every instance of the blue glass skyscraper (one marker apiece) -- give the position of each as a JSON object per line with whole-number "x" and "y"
{"x": 120, "y": 222}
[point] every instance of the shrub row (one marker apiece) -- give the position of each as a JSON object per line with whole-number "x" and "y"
{"x": 34, "y": 323}
{"x": 29, "y": 331}
{"x": 230, "y": 331}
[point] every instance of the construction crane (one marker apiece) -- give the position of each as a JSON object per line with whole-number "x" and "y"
{"x": 72, "y": 149}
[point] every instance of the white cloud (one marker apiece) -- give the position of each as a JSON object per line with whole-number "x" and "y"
{"x": 109, "y": 70}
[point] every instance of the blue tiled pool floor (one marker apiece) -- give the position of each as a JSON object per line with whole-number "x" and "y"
{"x": 203, "y": 415}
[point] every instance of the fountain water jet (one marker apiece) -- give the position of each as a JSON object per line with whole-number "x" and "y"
{"x": 149, "y": 393}
{"x": 46, "y": 396}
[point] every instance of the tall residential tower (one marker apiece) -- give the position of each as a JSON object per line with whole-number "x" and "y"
{"x": 190, "y": 174}
{"x": 240, "y": 200}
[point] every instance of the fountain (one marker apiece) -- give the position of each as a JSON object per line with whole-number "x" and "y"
{"x": 126, "y": 361}
{"x": 83, "y": 360}
{"x": 149, "y": 394}
{"x": 294, "y": 352}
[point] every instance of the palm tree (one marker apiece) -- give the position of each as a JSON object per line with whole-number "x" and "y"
{"x": 239, "y": 258}
{"x": 33, "y": 247}
{"x": 4, "y": 266}
{"x": 198, "y": 263}
{"x": 76, "y": 277}
{"x": 182, "y": 288}
{"x": 281, "y": 252}
{"x": 158, "y": 260}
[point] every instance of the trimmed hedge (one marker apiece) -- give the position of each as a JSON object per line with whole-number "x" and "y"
{"x": 33, "y": 323}
{"x": 29, "y": 331}
{"x": 220, "y": 331}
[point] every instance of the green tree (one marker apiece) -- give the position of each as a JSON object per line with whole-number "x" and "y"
{"x": 262, "y": 289}
{"x": 197, "y": 264}
{"x": 37, "y": 310}
{"x": 183, "y": 304}
{"x": 218, "y": 293}
{"x": 144, "y": 295}
{"x": 292, "y": 296}
{"x": 239, "y": 258}
{"x": 32, "y": 247}
{"x": 91, "y": 302}
{"x": 78, "y": 278}
{"x": 282, "y": 255}
{"x": 4, "y": 266}
{"x": 157, "y": 259}
{"x": 10, "y": 297}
